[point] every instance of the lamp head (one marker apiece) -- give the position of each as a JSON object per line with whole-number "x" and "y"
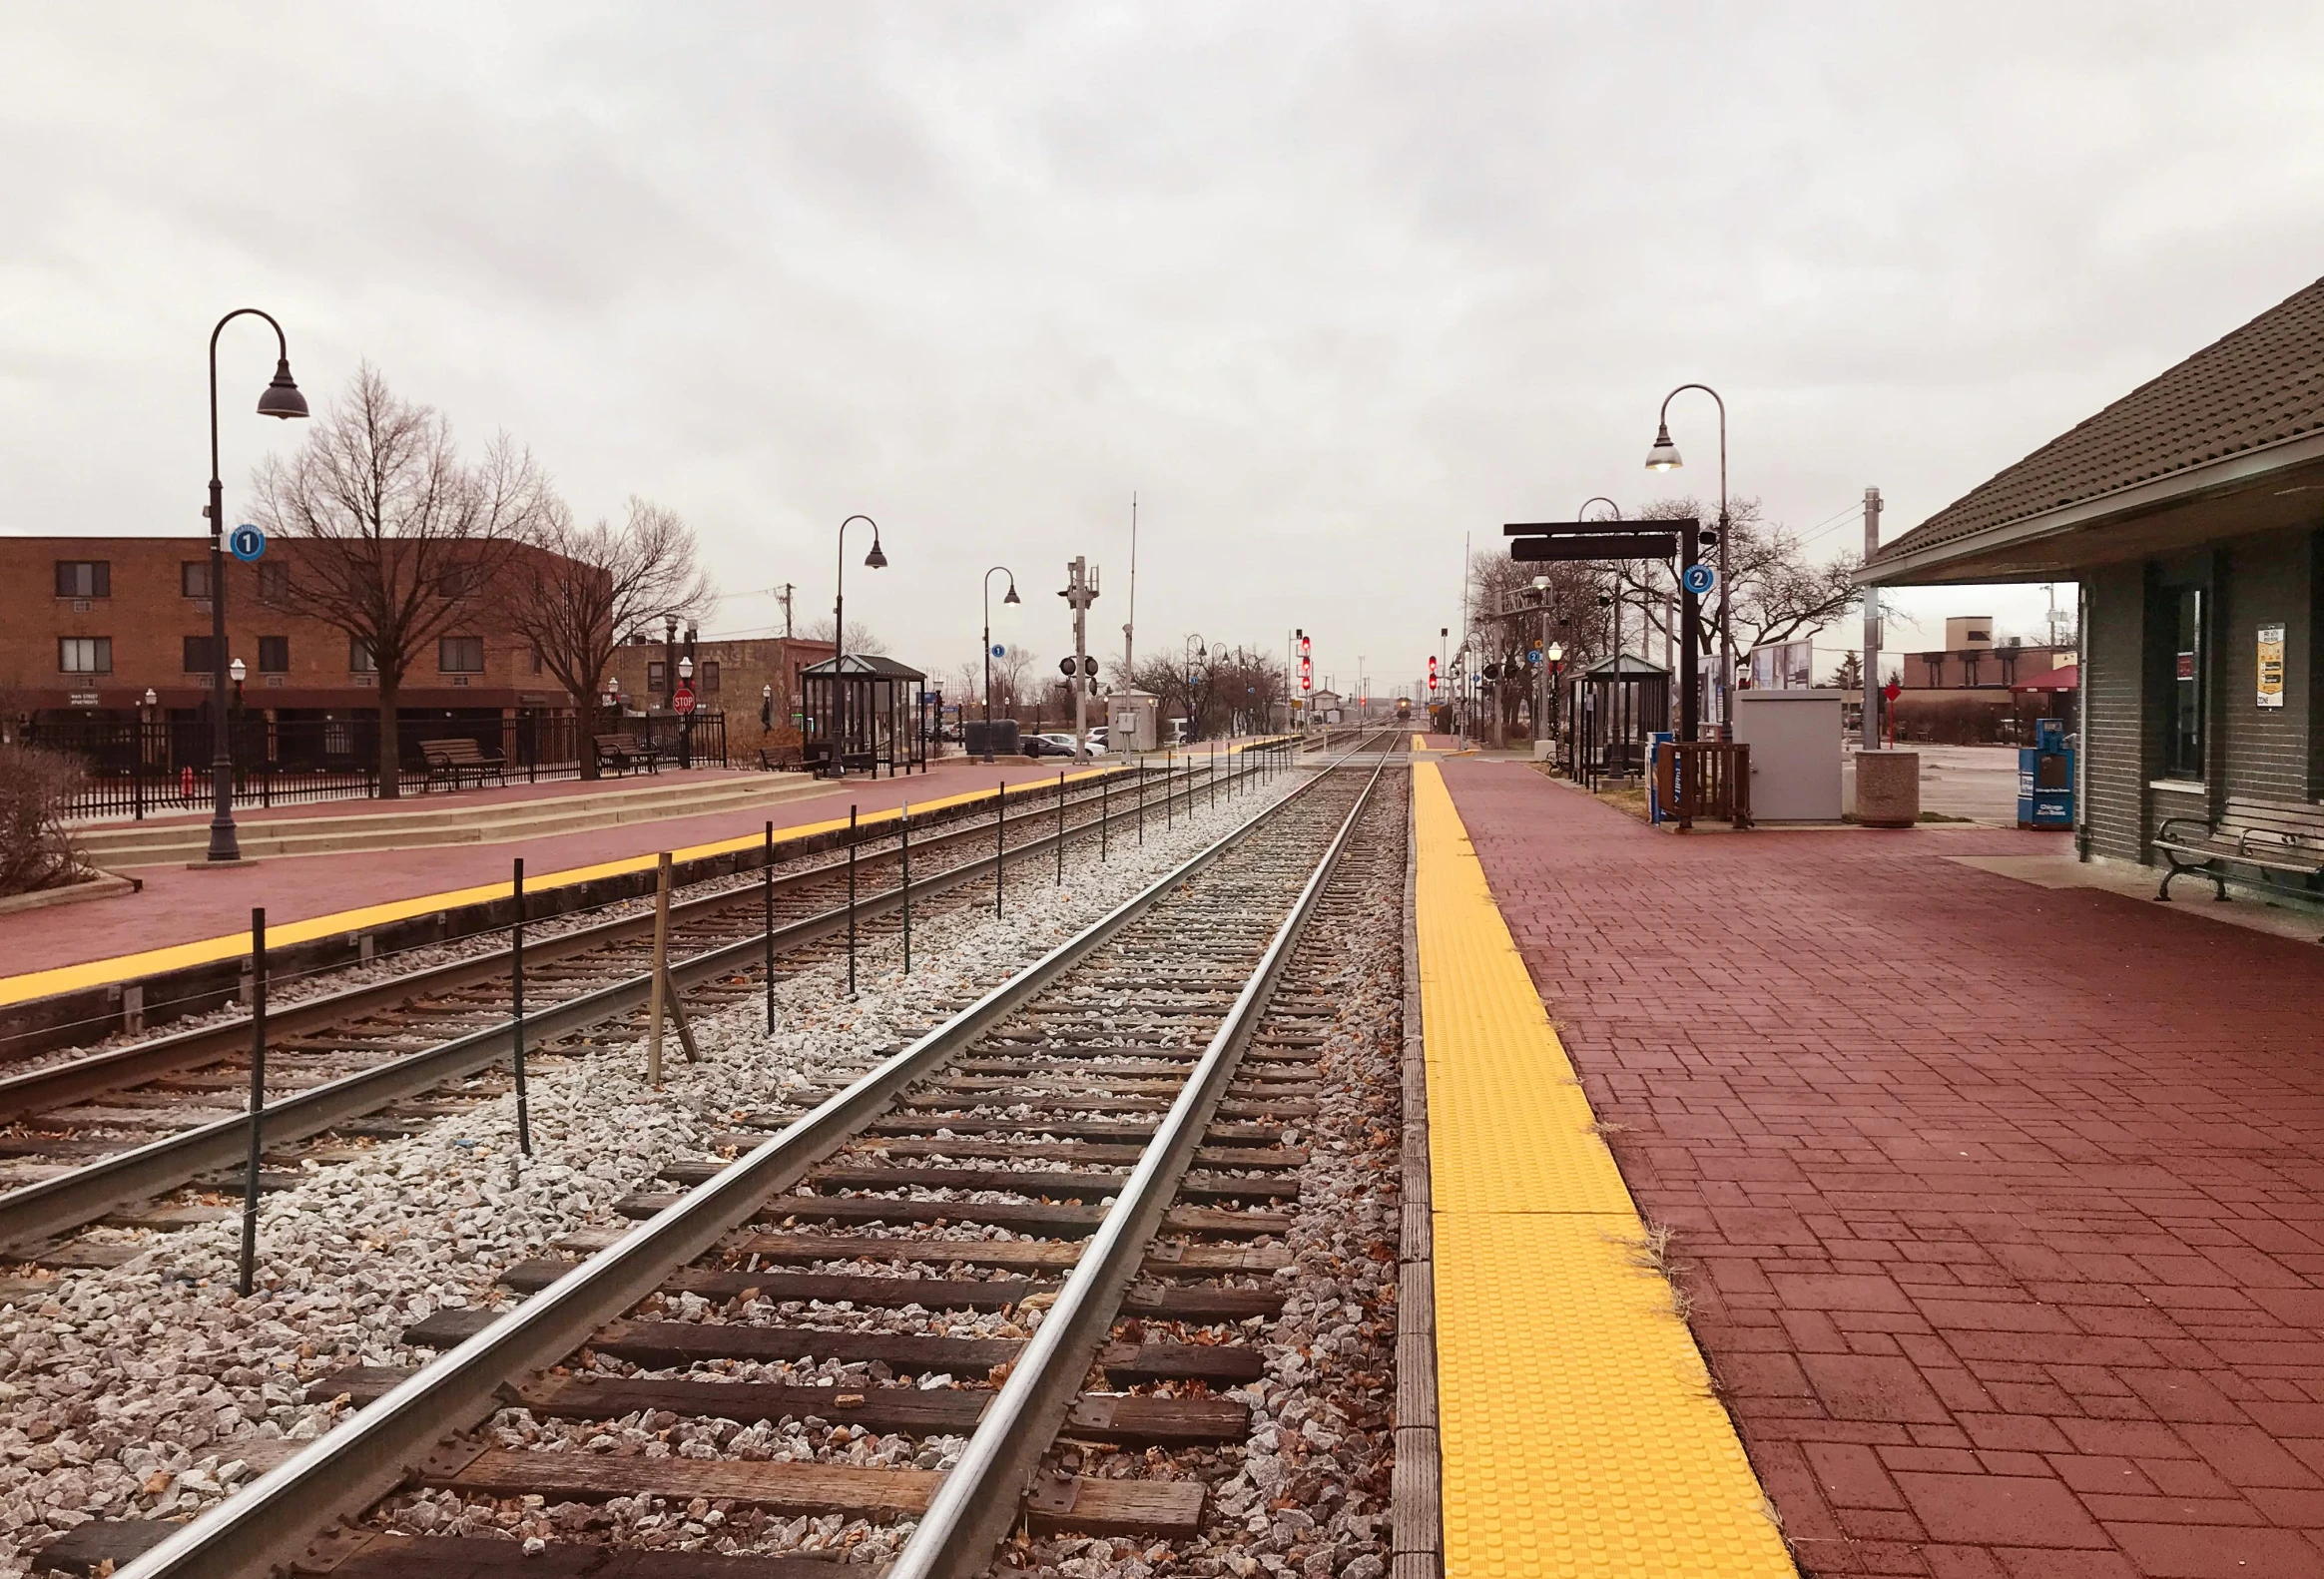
{"x": 670, "y": 627}
{"x": 149, "y": 697}
{"x": 1556, "y": 652}
{"x": 238, "y": 669}
{"x": 766, "y": 693}
{"x": 686, "y": 669}
{"x": 1541, "y": 583}
{"x": 281, "y": 397}
{"x": 1665, "y": 455}
{"x": 875, "y": 559}
{"x": 1012, "y": 597}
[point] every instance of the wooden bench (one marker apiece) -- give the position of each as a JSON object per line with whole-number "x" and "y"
{"x": 2268, "y": 836}
{"x": 451, "y": 758}
{"x": 782, "y": 759}
{"x": 625, "y": 752}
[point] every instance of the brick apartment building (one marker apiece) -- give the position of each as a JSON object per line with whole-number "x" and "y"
{"x": 728, "y": 675}
{"x": 90, "y": 624}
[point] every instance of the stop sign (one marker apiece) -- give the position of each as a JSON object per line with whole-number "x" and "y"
{"x": 684, "y": 701}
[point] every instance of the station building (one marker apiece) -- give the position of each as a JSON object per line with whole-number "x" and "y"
{"x": 2191, "y": 514}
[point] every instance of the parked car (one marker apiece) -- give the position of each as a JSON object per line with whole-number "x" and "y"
{"x": 1056, "y": 745}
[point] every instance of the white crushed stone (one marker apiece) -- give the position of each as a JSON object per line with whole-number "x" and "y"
{"x": 124, "y": 1392}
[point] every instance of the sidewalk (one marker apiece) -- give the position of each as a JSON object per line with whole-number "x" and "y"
{"x": 181, "y": 912}
{"x": 2001, "y": 1209}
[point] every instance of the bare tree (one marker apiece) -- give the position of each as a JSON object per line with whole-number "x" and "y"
{"x": 1778, "y": 593}
{"x": 861, "y": 639}
{"x": 586, "y": 584}
{"x": 406, "y": 540}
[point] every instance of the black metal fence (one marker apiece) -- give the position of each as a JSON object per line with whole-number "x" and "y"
{"x": 160, "y": 767}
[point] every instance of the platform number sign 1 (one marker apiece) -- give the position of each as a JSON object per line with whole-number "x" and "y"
{"x": 246, "y": 542}
{"x": 1700, "y": 579}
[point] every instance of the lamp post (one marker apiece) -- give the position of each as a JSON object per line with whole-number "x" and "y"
{"x": 1010, "y": 598}
{"x": 686, "y": 718}
{"x": 1663, "y": 456}
{"x": 1195, "y": 651}
{"x": 1542, "y": 686}
{"x": 875, "y": 560}
{"x": 280, "y": 398}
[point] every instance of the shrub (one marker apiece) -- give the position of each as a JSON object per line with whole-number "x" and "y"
{"x": 36, "y": 849}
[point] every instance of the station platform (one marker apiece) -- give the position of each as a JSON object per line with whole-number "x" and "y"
{"x": 1994, "y": 1202}
{"x": 188, "y": 917}
{"x": 1576, "y": 1428}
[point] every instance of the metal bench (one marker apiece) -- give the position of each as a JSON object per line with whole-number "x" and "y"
{"x": 2268, "y": 836}
{"x": 624, "y": 751}
{"x": 781, "y": 758}
{"x": 453, "y": 758}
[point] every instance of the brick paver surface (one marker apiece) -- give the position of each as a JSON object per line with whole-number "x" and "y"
{"x": 2000, "y": 1210}
{"x": 180, "y": 905}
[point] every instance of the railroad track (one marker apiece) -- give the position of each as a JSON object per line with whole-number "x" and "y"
{"x": 837, "y": 1327}
{"x": 107, "y": 1134}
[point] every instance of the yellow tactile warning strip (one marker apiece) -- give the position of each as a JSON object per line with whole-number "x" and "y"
{"x": 1419, "y": 743}
{"x": 130, "y": 967}
{"x": 1578, "y": 1429}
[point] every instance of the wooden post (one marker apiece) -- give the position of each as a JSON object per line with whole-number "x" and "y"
{"x": 1000, "y": 841}
{"x": 250, "y": 1223}
{"x": 904, "y": 824}
{"x": 766, "y": 890}
{"x": 659, "y": 986}
{"x": 1060, "y": 830}
{"x": 852, "y": 897}
{"x": 516, "y": 1009}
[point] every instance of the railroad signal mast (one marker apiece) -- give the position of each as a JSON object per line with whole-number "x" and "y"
{"x": 1080, "y": 592}
{"x": 1307, "y": 666}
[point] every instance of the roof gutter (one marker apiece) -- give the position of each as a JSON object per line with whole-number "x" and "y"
{"x": 2209, "y": 477}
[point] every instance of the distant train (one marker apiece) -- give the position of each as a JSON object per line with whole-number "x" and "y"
{"x": 1404, "y": 709}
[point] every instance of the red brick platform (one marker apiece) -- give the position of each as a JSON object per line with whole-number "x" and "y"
{"x": 2001, "y": 1209}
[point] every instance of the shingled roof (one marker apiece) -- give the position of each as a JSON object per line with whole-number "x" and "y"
{"x": 2263, "y": 383}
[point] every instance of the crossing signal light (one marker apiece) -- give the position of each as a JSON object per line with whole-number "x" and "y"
{"x": 1431, "y": 674}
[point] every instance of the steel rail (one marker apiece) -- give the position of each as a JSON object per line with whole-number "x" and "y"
{"x": 60, "y": 1085}
{"x": 36, "y": 1213}
{"x": 978, "y": 1502}
{"x": 270, "y": 1523}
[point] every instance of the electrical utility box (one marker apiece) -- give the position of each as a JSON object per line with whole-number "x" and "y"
{"x": 1795, "y": 742}
{"x": 1132, "y": 722}
{"x": 2045, "y": 778}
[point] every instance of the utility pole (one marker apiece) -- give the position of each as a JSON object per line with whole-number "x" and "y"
{"x": 783, "y": 592}
{"x": 1080, "y": 592}
{"x": 1870, "y": 731}
{"x": 1130, "y": 625}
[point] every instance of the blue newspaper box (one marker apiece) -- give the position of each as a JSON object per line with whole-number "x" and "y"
{"x": 2045, "y": 779}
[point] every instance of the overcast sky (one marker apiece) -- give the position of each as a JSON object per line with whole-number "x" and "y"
{"x": 1325, "y": 286}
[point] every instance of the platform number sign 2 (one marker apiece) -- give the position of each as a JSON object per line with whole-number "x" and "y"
{"x": 246, "y": 542}
{"x": 1700, "y": 579}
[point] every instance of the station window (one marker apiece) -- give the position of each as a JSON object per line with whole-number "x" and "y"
{"x": 84, "y": 578}
{"x": 2190, "y": 659}
{"x": 198, "y": 656}
{"x": 655, "y": 675}
{"x": 359, "y": 657}
{"x": 273, "y": 654}
{"x": 274, "y": 582}
{"x": 85, "y": 654}
{"x": 710, "y": 676}
{"x": 193, "y": 578}
{"x": 461, "y": 654}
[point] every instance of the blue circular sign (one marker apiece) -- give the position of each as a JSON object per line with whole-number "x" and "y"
{"x": 245, "y": 542}
{"x": 1700, "y": 579}
{"x": 999, "y": 651}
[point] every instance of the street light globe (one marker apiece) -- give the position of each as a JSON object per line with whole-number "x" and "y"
{"x": 686, "y": 669}
{"x": 766, "y": 693}
{"x": 1664, "y": 454}
{"x": 1556, "y": 652}
{"x": 151, "y": 699}
{"x": 237, "y": 669}
{"x": 1541, "y": 583}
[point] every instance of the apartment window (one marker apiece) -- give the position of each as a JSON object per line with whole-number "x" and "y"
{"x": 452, "y": 581}
{"x": 2183, "y": 733}
{"x": 273, "y": 654}
{"x": 274, "y": 582}
{"x": 359, "y": 657}
{"x": 84, "y": 578}
{"x": 461, "y": 654}
{"x": 193, "y": 578}
{"x": 85, "y": 654}
{"x": 198, "y": 656}
{"x": 538, "y": 664}
{"x": 656, "y": 674}
{"x": 710, "y": 676}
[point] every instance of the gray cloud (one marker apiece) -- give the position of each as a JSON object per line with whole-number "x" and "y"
{"x": 1328, "y": 285}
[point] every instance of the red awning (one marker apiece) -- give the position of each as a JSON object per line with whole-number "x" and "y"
{"x": 2066, "y": 677}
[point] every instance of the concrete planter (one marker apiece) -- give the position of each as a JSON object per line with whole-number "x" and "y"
{"x": 1888, "y": 788}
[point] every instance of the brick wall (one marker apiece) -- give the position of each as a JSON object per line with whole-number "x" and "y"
{"x": 744, "y": 666}
{"x": 146, "y": 617}
{"x": 2118, "y": 728}
{"x": 2266, "y": 581}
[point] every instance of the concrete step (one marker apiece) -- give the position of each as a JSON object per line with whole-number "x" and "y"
{"x": 492, "y": 822}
